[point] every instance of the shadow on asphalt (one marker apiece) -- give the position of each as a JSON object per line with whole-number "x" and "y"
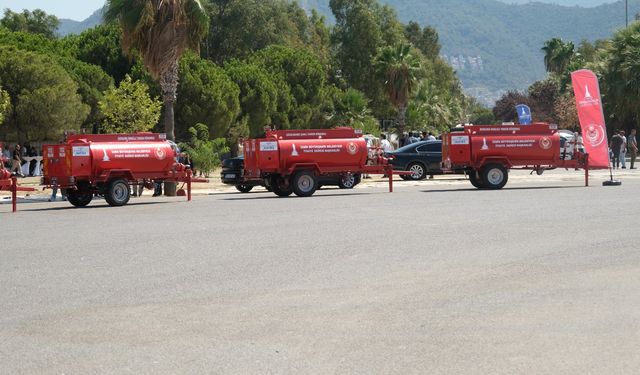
{"x": 263, "y": 192}
{"x": 70, "y": 207}
{"x": 273, "y": 196}
{"x": 510, "y": 188}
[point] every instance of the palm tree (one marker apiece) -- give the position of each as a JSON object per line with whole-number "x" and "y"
{"x": 399, "y": 67}
{"x": 557, "y": 55}
{"x": 161, "y": 31}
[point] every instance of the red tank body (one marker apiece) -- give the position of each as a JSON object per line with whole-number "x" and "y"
{"x": 516, "y": 144}
{"x": 294, "y": 161}
{"x": 109, "y": 164}
{"x": 327, "y": 151}
{"x": 94, "y": 157}
{"x": 487, "y": 152}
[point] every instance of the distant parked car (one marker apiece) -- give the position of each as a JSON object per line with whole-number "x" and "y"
{"x": 421, "y": 158}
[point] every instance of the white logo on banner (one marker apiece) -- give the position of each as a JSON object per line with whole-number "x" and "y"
{"x": 595, "y": 135}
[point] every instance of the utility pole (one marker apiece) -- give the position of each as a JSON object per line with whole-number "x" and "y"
{"x": 626, "y": 13}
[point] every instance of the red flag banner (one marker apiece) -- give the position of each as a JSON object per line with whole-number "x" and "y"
{"x": 589, "y": 105}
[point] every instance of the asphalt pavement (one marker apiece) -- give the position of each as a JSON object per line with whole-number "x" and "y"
{"x": 436, "y": 278}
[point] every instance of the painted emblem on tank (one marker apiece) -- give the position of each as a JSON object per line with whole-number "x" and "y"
{"x": 352, "y": 148}
{"x": 160, "y": 154}
{"x": 545, "y": 143}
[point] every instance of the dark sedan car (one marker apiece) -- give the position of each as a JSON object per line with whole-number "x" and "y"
{"x": 421, "y": 158}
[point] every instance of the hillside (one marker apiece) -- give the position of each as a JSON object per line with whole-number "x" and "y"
{"x": 74, "y": 27}
{"x": 494, "y": 45}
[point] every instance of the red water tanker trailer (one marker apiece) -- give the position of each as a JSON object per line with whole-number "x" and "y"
{"x": 108, "y": 164}
{"x": 488, "y": 152}
{"x": 291, "y": 161}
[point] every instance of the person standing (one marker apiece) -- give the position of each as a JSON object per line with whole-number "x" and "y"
{"x": 632, "y": 145}
{"x": 615, "y": 145}
{"x": 16, "y": 161}
{"x": 430, "y": 137}
{"x": 623, "y": 150}
{"x": 385, "y": 144}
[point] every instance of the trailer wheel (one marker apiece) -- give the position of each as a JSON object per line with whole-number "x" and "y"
{"x": 494, "y": 176}
{"x": 418, "y": 171}
{"x": 304, "y": 183}
{"x": 244, "y": 188}
{"x": 475, "y": 180}
{"x": 280, "y": 186}
{"x": 117, "y": 193}
{"x": 347, "y": 181}
{"x": 79, "y": 198}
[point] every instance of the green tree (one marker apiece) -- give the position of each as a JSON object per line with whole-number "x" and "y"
{"x": 101, "y": 46}
{"x": 92, "y": 81}
{"x": 208, "y": 95}
{"x": 258, "y": 94}
{"x": 5, "y": 101}
{"x": 241, "y": 27}
{"x": 129, "y": 108}
{"x": 621, "y": 72}
{"x": 204, "y": 153}
{"x": 36, "y": 22}
{"x": 557, "y": 55}
{"x": 505, "y": 108}
{"x": 356, "y": 37}
{"x": 160, "y": 30}
{"x": 350, "y": 108}
{"x": 44, "y": 99}
{"x": 299, "y": 77}
{"x": 542, "y": 98}
{"x": 425, "y": 39}
{"x": 399, "y": 67}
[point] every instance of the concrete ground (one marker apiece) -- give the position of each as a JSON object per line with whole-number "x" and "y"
{"x": 540, "y": 277}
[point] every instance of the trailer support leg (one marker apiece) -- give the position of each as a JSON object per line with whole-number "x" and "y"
{"x": 14, "y": 194}
{"x": 189, "y": 185}
{"x": 390, "y": 174}
{"x": 586, "y": 171}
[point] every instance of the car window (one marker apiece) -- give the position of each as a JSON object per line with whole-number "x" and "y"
{"x": 430, "y": 147}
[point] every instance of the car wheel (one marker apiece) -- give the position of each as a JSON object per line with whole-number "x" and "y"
{"x": 117, "y": 193}
{"x": 494, "y": 176}
{"x": 280, "y": 186}
{"x": 244, "y": 188}
{"x": 304, "y": 183}
{"x": 418, "y": 171}
{"x": 475, "y": 180}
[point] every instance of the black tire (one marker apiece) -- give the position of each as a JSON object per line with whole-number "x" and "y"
{"x": 304, "y": 183}
{"x": 347, "y": 181}
{"x": 419, "y": 171}
{"x": 475, "y": 180}
{"x": 117, "y": 193}
{"x": 494, "y": 176}
{"x": 79, "y": 198}
{"x": 280, "y": 186}
{"x": 244, "y": 188}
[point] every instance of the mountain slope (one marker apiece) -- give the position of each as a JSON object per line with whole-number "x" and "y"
{"x": 74, "y": 27}
{"x": 495, "y": 46}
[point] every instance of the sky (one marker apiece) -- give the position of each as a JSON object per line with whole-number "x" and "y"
{"x": 77, "y": 10}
